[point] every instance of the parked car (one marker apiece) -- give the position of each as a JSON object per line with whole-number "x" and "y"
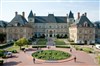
{"x": 97, "y": 46}
{"x": 8, "y": 54}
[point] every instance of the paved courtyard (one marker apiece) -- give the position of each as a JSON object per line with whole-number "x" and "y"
{"x": 25, "y": 59}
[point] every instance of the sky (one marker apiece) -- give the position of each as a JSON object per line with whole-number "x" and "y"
{"x": 45, "y": 7}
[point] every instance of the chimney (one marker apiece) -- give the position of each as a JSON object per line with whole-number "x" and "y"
{"x": 34, "y": 14}
{"x": 16, "y": 13}
{"x": 23, "y": 14}
{"x": 78, "y": 15}
{"x": 82, "y": 14}
{"x": 67, "y": 15}
{"x": 85, "y": 14}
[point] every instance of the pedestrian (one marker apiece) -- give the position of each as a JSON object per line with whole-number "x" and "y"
{"x": 75, "y": 59}
{"x": 34, "y": 60}
{"x": 24, "y": 50}
{"x": 92, "y": 46}
{"x": 48, "y": 47}
{"x": 70, "y": 49}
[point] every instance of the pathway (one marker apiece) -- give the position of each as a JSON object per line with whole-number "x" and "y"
{"x": 50, "y": 43}
{"x": 25, "y": 59}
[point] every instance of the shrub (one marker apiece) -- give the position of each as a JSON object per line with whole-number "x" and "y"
{"x": 4, "y": 56}
{"x": 78, "y": 48}
{"x": 42, "y": 46}
{"x": 14, "y": 51}
{"x": 1, "y": 53}
{"x": 59, "y": 46}
{"x": 22, "y": 49}
{"x": 70, "y": 40}
{"x": 6, "y": 45}
{"x": 87, "y": 49}
{"x": 1, "y": 62}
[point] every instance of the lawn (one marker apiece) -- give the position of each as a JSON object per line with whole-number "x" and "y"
{"x": 98, "y": 58}
{"x": 51, "y": 55}
{"x": 41, "y": 42}
{"x": 15, "y": 48}
{"x": 85, "y": 49}
{"x": 59, "y": 42}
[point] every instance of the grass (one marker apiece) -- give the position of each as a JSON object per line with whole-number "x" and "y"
{"x": 87, "y": 49}
{"x": 15, "y": 48}
{"x": 77, "y": 47}
{"x": 51, "y": 55}
{"x": 98, "y": 58}
{"x": 59, "y": 42}
{"x": 41, "y": 42}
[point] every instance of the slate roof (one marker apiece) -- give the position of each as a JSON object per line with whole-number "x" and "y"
{"x": 19, "y": 19}
{"x": 83, "y": 19}
{"x": 71, "y": 15}
{"x": 31, "y": 14}
{"x": 97, "y": 24}
{"x": 50, "y": 19}
{"x": 3, "y": 23}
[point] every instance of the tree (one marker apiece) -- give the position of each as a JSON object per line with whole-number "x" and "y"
{"x": 21, "y": 42}
{"x": 2, "y": 37}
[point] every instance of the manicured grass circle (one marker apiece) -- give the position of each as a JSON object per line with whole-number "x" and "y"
{"x": 51, "y": 55}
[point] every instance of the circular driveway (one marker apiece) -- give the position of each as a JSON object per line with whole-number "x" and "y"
{"x": 25, "y": 59}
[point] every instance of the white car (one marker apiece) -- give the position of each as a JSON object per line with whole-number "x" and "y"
{"x": 98, "y": 46}
{"x": 8, "y": 54}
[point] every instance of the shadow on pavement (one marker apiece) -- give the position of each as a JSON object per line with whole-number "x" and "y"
{"x": 12, "y": 63}
{"x": 79, "y": 62}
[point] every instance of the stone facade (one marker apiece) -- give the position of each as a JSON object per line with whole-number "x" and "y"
{"x": 14, "y": 33}
{"x": 2, "y": 30}
{"x": 50, "y": 29}
{"x": 97, "y": 31}
{"x": 83, "y": 31}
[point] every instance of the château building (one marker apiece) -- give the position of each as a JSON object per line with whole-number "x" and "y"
{"x": 80, "y": 30}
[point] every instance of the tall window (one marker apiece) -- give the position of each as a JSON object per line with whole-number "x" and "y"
{"x": 50, "y": 27}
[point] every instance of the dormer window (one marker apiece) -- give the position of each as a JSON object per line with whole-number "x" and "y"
{"x": 16, "y": 24}
{"x": 85, "y": 24}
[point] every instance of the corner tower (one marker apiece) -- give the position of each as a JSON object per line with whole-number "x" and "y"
{"x": 70, "y": 18}
{"x": 31, "y": 17}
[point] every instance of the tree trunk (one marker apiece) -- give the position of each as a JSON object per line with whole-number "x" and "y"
{"x": 20, "y": 47}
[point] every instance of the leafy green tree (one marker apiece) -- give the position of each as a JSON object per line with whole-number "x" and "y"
{"x": 21, "y": 42}
{"x": 2, "y": 37}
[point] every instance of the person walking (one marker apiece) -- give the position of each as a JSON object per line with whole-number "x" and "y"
{"x": 70, "y": 49}
{"x": 75, "y": 59}
{"x": 34, "y": 60}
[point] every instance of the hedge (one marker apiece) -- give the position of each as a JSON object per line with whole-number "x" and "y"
{"x": 6, "y": 45}
{"x": 41, "y": 46}
{"x": 1, "y": 62}
{"x": 59, "y": 46}
{"x": 1, "y": 53}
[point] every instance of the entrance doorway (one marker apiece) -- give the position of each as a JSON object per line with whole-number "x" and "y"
{"x": 85, "y": 41}
{"x": 50, "y": 33}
